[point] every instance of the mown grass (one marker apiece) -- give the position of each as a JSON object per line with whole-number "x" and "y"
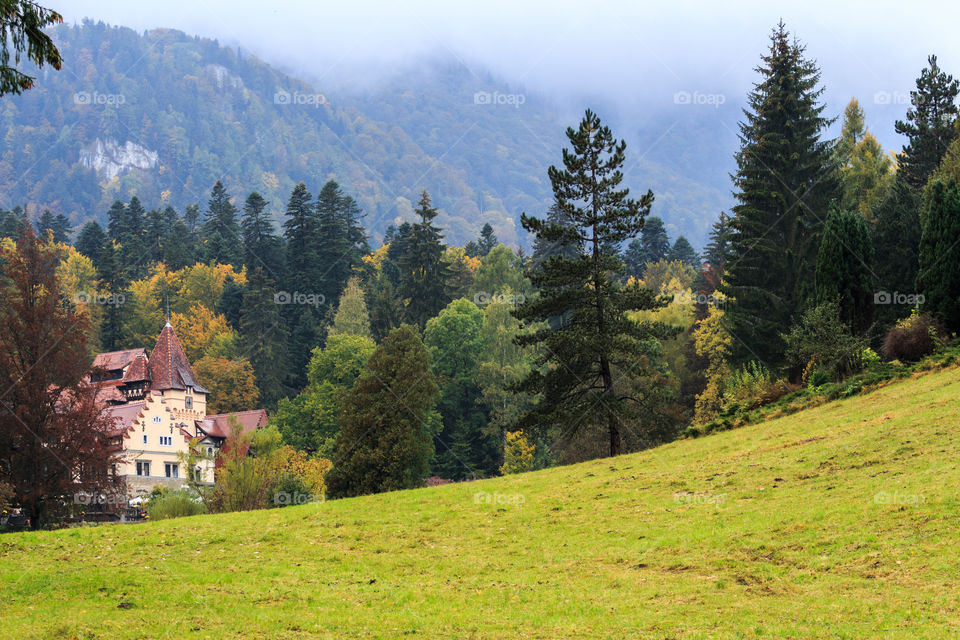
{"x": 842, "y": 521}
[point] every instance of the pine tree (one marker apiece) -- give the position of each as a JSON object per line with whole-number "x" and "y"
{"x": 717, "y": 251}
{"x": 844, "y": 269}
{"x": 337, "y": 258}
{"x": 654, "y": 242}
{"x": 896, "y": 240}
{"x": 384, "y": 443}
{"x": 595, "y": 353}
{"x": 45, "y": 224}
{"x": 304, "y": 276}
{"x": 263, "y": 337}
{"x": 262, "y": 246}
{"x": 424, "y": 273}
{"x": 180, "y": 246}
{"x": 544, "y": 249}
{"x": 90, "y": 242}
{"x": 302, "y": 233}
{"x": 785, "y": 179}
{"x": 221, "y": 231}
{"x": 683, "y": 251}
{"x": 929, "y": 126}
{"x": 487, "y": 241}
{"x": 938, "y": 279}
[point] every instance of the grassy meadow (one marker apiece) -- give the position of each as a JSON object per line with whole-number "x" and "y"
{"x": 841, "y": 521}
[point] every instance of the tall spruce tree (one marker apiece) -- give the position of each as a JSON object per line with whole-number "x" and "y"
{"x": 301, "y": 230}
{"x": 938, "y": 279}
{"x": 262, "y": 246}
{"x": 717, "y": 251}
{"x": 844, "y": 269}
{"x": 263, "y": 337}
{"x": 929, "y": 126}
{"x": 221, "y": 231}
{"x": 384, "y": 442}
{"x": 896, "y": 239}
{"x": 90, "y": 242}
{"x": 304, "y": 276}
{"x": 591, "y": 358}
{"x": 337, "y": 258}
{"x": 683, "y": 251}
{"x": 785, "y": 179}
{"x": 487, "y": 240}
{"x": 424, "y": 273}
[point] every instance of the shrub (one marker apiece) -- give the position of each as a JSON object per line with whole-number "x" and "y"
{"x": 870, "y": 358}
{"x": 822, "y": 341}
{"x": 818, "y": 378}
{"x": 913, "y": 338}
{"x": 744, "y": 387}
{"x": 174, "y": 504}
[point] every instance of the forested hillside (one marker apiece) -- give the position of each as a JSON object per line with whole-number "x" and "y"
{"x": 163, "y": 115}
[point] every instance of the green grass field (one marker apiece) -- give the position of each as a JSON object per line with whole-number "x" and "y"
{"x": 837, "y": 522}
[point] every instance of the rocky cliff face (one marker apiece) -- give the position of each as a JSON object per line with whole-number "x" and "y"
{"x": 110, "y": 159}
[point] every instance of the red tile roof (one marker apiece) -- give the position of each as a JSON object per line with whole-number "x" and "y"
{"x": 107, "y": 393}
{"x": 218, "y": 424}
{"x": 114, "y": 360}
{"x": 138, "y": 371}
{"x": 124, "y": 416}
{"x": 169, "y": 367}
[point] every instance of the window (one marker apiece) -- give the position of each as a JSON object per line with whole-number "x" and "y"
{"x": 210, "y": 451}
{"x": 189, "y": 390}
{"x": 143, "y": 467}
{"x": 166, "y": 441}
{"x": 171, "y": 469}
{"x": 157, "y": 419}
{"x": 197, "y": 474}
{"x": 144, "y": 438}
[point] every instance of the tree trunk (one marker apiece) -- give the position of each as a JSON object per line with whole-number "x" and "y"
{"x": 612, "y": 427}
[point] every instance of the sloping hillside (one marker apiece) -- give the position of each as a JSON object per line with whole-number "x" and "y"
{"x": 837, "y": 522}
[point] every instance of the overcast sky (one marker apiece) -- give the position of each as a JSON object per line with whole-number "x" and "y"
{"x": 624, "y": 53}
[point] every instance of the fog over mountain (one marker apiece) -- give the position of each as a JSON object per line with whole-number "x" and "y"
{"x": 670, "y": 80}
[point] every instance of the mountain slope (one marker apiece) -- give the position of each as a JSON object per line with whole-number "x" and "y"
{"x": 163, "y": 115}
{"x": 836, "y": 522}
